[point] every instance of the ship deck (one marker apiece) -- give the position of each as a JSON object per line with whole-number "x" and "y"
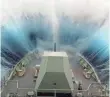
{"x": 22, "y": 85}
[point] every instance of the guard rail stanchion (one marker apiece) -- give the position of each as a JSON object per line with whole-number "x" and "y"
{"x": 36, "y": 93}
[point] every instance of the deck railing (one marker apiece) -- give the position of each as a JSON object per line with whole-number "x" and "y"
{"x": 97, "y": 78}
{"x": 89, "y": 92}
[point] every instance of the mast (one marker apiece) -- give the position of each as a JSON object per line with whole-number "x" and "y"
{"x": 54, "y": 48}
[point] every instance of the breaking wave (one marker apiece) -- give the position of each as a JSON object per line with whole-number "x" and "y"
{"x": 18, "y": 37}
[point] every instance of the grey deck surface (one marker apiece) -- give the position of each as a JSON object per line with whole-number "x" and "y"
{"x": 78, "y": 72}
{"x": 26, "y": 81}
